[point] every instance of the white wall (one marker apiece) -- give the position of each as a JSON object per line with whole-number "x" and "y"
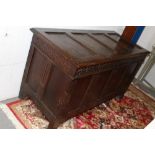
{"x": 14, "y": 47}
{"x": 147, "y": 38}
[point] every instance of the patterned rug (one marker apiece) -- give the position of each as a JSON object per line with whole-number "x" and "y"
{"x": 131, "y": 112}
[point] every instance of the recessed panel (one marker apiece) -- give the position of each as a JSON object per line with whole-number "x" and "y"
{"x": 105, "y": 40}
{"x": 69, "y": 45}
{"x": 92, "y": 44}
{"x": 38, "y": 72}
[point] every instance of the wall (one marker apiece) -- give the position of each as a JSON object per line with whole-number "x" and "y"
{"x": 14, "y": 47}
{"x": 146, "y": 40}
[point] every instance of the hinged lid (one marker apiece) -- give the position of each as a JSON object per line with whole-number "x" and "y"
{"x": 84, "y": 48}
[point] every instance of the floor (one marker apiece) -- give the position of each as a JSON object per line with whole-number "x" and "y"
{"x": 5, "y": 123}
{"x": 10, "y": 100}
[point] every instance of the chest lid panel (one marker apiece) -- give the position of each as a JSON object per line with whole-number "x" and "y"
{"x": 83, "y": 48}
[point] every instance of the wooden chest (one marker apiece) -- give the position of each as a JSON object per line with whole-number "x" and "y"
{"x": 71, "y": 71}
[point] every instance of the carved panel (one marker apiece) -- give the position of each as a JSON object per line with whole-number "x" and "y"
{"x": 103, "y": 67}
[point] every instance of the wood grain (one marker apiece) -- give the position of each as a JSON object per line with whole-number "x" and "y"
{"x": 71, "y": 71}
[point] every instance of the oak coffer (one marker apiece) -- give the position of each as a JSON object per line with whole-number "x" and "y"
{"x": 71, "y": 71}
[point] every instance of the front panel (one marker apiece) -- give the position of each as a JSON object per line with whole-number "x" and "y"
{"x": 90, "y": 92}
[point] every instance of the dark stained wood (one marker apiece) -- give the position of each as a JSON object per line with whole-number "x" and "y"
{"x": 128, "y": 33}
{"x": 71, "y": 71}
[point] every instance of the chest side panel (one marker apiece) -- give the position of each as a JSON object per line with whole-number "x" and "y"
{"x": 55, "y": 55}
